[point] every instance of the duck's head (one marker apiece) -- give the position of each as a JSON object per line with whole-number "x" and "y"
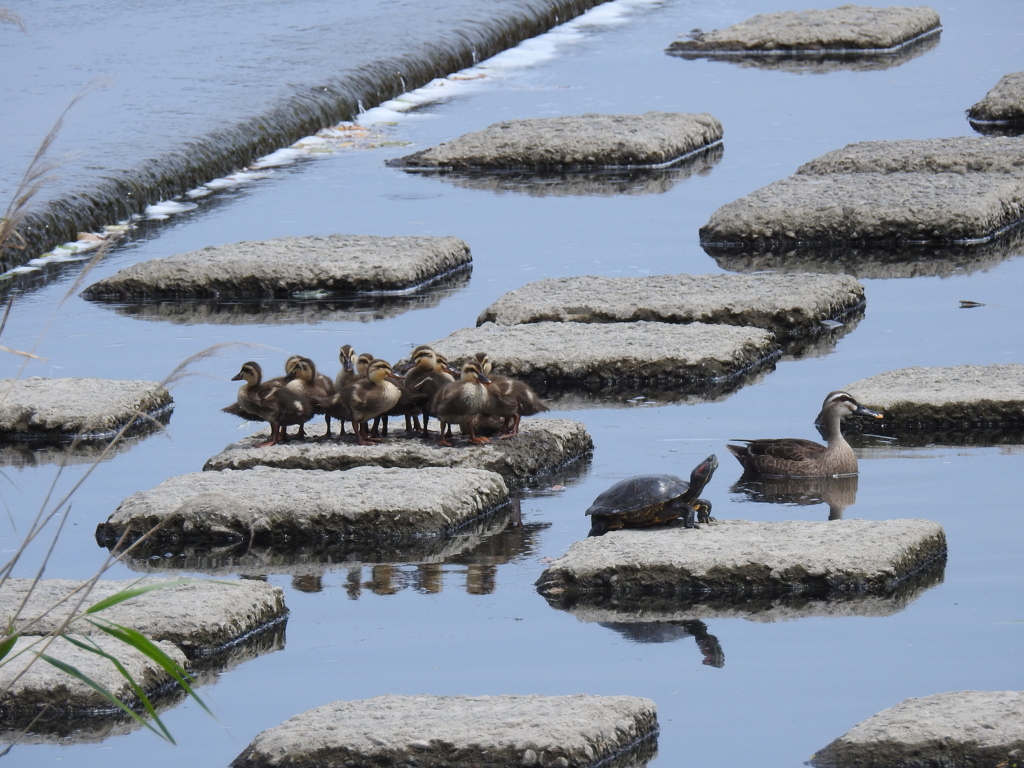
{"x": 484, "y": 361}
{"x": 843, "y": 404}
{"x": 444, "y": 367}
{"x": 250, "y": 372}
{"x": 379, "y": 370}
{"x": 425, "y": 358}
{"x": 363, "y": 363}
{"x": 471, "y": 372}
{"x": 347, "y": 357}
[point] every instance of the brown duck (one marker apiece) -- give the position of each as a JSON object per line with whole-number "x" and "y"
{"x": 365, "y": 399}
{"x": 302, "y": 376}
{"x": 461, "y": 402}
{"x": 269, "y": 401}
{"x": 511, "y": 399}
{"x": 794, "y": 457}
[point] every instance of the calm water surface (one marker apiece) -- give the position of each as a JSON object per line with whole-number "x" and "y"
{"x": 787, "y": 687}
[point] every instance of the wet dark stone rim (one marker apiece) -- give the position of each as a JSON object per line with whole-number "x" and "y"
{"x": 150, "y": 421}
{"x": 309, "y": 109}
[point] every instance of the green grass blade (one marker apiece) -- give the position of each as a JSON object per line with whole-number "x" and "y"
{"x": 6, "y": 645}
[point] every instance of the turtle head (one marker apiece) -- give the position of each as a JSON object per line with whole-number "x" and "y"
{"x": 703, "y": 472}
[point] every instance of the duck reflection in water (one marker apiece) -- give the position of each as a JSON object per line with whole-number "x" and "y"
{"x": 838, "y": 492}
{"x": 669, "y": 632}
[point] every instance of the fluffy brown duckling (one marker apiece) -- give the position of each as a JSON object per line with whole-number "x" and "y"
{"x": 302, "y": 376}
{"x": 795, "y": 457}
{"x": 270, "y": 401}
{"x": 461, "y": 402}
{"x": 365, "y": 398}
{"x": 424, "y": 377}
{"x": 347, "y": 374}
{"x": 511, "y": 398}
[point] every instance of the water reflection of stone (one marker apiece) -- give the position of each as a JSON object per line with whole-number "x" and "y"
{"x": 873, "y": 261}
{"x": 612, "y": 181}
{"x": 838, "y": 492}
{"x": 669, "y": 632}
{"x": 886, "y": 435}
{"x": 365, "y": 308}
{"x": 819, "y": 62}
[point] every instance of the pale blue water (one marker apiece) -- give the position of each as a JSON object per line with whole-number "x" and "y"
{"x": 787, "y": 688}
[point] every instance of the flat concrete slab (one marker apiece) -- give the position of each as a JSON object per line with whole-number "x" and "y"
{"x": 200, "y": 617}
{"x": 790, "y": 306}
{"x": 959, "y": 154}
{"x": 960, "y": 397}
{"x": 846, "y": 29}
{"x": 39, "y": 409}
{"x": 870, "y": 207}
{"x": 542, "y": 446}
{"x": 1002, "y": 106}
{"x": 290, "y": 268}
{"x": 739, "y": 558}
{"x": 265, "y": 504}
{"x": 962, "y": 728}
{"x": 651, "y": 140}
{"x": 452, "y": 731}
{"x": 693, "y": 357}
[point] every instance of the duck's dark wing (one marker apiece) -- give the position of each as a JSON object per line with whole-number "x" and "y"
{"x": 781, "y": 449}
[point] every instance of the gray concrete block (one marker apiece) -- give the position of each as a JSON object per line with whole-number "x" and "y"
{"x": 790, "y": 306}
{"x": 959, "y": 154}
{"x": 962, "y": 728}
{"x": 454, "y": 731}
{"x": 870, "y": 207}
{"x": 542, "y": 446}
{"x": 848, "y": 28}
{"x": 264, "y": 504}
{"x": 289, "y": 267}
{"x": 617, "y": 355}
{"x": 738, "y": 558}
{"x": 965, "y": 396}
{"x": 1004, "y": 104}
{"x": 58, "y": 410}
{"x": 200, "y": 617}
{"x": 653, "y": 139}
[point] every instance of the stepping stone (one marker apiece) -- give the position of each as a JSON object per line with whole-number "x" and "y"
{"x": 651, "y": 140}
{"x": 201, "y": 617}
{"x": 847, "y": 30}
{"x": 695, "y": 358}
{"x": 1003, "y": 106}
{"x": 959, "y": 154}
{"x": 790, "y": 306}
{"x": 367, "y": 504}
{"x": 542, "y": 446}
{"x": 739, "y": 558}
{"x": 958, "y": 398}
{"x": 956, "y": 729}
{"x": 290, "y": 268}
{"x": 454, "y": 731}
{"x": 59, "y": 410}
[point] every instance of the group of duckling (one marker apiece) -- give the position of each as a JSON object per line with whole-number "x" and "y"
{"x": 367, "y": 389}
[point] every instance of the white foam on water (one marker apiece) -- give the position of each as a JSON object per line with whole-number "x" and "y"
{"x": 283, "y": 156}
{"x": 166, "y": 208}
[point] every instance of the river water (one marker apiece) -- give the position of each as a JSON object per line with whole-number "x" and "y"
{"x": 475, "y": 624}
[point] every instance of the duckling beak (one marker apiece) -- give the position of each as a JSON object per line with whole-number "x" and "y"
{"x": 395, "y": 376}
{"x": 237, "y": 377}
{"x": 482, "y": 378}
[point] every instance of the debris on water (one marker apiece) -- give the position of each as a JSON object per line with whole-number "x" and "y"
{"x": 830, "y": 324}
{"x": 966, "y": 304}
{"x": 318, "y": 293}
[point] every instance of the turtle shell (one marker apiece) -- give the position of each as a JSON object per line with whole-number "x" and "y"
{"x": 650, "y": 499}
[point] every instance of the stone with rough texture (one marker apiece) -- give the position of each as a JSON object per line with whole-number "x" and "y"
{"x": 742, "y": 558}
{"x": 453, "y": 731}
{"x": 542, "y": 446}
{"x": 265, "y": 503}
{"x": 791, "y": 306}
{"x": 958, "y": 154}
{"x": 286, "y": 267}
{"x": 616, "y": 354}
{"x": 61, "y": 409}
{"x": 1003, "y": 104}
{"x": 566, "y": 143}
{"x": 199, "y": 616}
{"x": 970, "y": 395}
{"x": 848, "y": 28}
{"x": 961, "y": 728}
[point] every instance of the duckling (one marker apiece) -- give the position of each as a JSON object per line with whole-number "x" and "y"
{"x": 511, "y": 398}
{"x": 303, "y": 377}
{"x": 270, "y": 401}
{"x": 365, "y": 399}
{"x": 347, "y": 374}
{"x": 794, "y": 457}
{"x": 462, "y": 402}
{"x": 424, "y": 377}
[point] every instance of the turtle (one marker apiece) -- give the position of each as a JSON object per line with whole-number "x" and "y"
{"x": 651, "y": 499}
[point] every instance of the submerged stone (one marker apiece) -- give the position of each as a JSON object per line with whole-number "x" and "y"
{"x": 1002, "y": 106}
{"x": 963, "y": 397}
{"x": 59, "y": 410}
{"x": 962, "y": 728}
{"x": 453, "y": 731}
{"x": 367, "y": 504}
{"x": 589, "y": 141}
{"x": 542, "y": 446}
{"x": 290, "y": 268}
{"x": 790, "y": 306}
{"x": 846, "y": 29}
{"x": 740, "y": 559}
{"x": 695, "y": 357}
